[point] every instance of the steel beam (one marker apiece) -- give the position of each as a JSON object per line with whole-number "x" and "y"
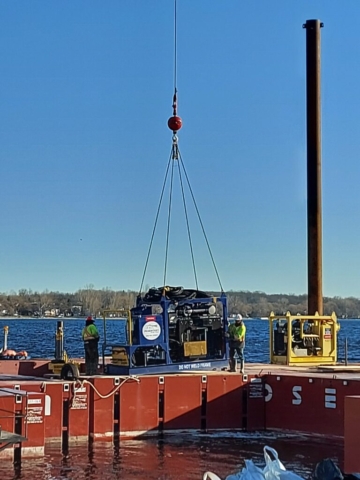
{"x": 313, "y": 131}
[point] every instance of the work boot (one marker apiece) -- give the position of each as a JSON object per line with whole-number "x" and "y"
{"x": 232, "y": 365}
{"x": 242, "y": 367}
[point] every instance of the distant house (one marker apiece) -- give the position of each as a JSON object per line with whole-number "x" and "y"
{"x": 76, "y": 310}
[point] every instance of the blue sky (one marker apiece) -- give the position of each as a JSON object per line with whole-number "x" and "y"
{"x": 86, "y": 91}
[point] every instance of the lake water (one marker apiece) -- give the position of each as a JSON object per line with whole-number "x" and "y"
{"x": 37, "y": 337}
{"x": 182, "y": 457}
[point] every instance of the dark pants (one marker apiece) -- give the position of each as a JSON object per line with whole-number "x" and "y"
{"x": 236, "y": 347}
{"x": 91, "y": 357}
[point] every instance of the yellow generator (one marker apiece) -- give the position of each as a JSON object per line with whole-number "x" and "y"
{"x": 303, "y": 339}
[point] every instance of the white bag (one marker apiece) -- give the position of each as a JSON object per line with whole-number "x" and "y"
{"x": 249, "y": 472}
{"x": 210, "y": 476}
{"x": 274, "y": 469}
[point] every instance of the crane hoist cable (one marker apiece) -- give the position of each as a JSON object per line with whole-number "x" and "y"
{"x": 175, "y": 159}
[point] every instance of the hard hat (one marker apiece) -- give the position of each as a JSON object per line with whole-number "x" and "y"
{"x": 89, "y": 319}
{"x": 238, "y": 317}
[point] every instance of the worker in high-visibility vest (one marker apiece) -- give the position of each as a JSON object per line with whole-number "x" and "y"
{"x": 90, "y": 336}
{"x": 237, "y": 332}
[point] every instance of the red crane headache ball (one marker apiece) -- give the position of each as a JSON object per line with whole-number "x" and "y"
{"x": 175, "y": 123}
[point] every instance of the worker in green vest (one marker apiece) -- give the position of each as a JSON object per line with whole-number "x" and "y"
{"x": 236, "y": 334}
{"x": 90, "y": 336}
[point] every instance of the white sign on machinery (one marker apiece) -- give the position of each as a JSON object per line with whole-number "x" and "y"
{"x": 151, "y": 330}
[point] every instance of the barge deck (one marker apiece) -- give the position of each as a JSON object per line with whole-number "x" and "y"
{"x": 322, "y": 401}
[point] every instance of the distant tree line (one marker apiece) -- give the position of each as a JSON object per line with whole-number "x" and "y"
{"x": 86, "y": 301}
{"x": 260, "y": 304}
{"x": 93, "y": 301}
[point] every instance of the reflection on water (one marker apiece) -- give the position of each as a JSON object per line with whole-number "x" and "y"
{"x": 183, "y": 457}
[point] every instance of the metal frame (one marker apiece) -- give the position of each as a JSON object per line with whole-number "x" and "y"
{"x": 297, "y": 360}
{"x": 168, "y": 366}
{"x": 7, "y": 439}
{"x": 104, "y": 345}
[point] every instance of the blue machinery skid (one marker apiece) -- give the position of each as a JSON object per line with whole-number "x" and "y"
{"x": 172, "y": 330}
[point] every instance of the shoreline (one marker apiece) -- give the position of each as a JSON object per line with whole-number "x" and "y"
{"x": 60, "y": 319}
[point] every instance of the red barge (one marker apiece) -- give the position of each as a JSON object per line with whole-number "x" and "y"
{"x": 309, "y": 400}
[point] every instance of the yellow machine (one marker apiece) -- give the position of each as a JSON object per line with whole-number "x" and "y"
{"x": 62, "y": 365}
{"x": 119, "y": 355}
{"x": 303, "y": 339}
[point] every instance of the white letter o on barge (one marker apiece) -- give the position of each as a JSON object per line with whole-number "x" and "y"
{"x": 269, "y": 392}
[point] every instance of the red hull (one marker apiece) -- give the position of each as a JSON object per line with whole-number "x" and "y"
{"x": 268, "y": 398}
